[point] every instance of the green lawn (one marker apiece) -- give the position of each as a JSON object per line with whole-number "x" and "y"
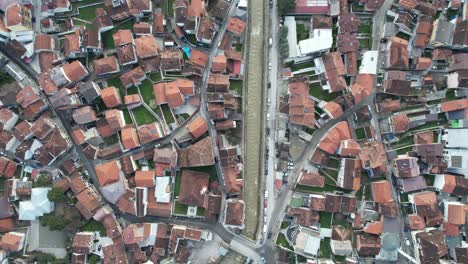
{"x": 88, "y": 13}
{"x": 310, "y": 189}
{"x": 365, "y": 43}
{"x": 132, "y": 90}
{"x": 325, "y": 219}
{"x": 107, "y": 39}
{"x": 281, "y": 241}
{"x": 167, "y": 114}
{"x": 236, "y": 85}
{"x": 94, "y": 226}
{"x": 333, "y": 163}
{"x": 177, "y": 183}
{"x": 170, "y": 8}
{"x": 115, "y": 81}
{"x": 365, "y": 28}
{"x": 211, "y": 170}
{"x": 315, "y": 90}
{"x": 325, "y": 251}
{"x": 76, "y": 5}
{"x": 192, "y": 39}
{"x": 127, "y": 117}
{"x": 238, "y": 46}
{"x": 301, "y": 32}
{"x": 180, "y": 208}
{"x": 147, "y": 92}
{"x": 155, "y": 77}
{"x": 429, "y": 179}
{"x": 285, "y": 224}
{"x": 200, "y": 211}
{"x": 404, "y": 150}
{"x": 360, "y": 133}
{"x": 5, "y": 78}
{"x": 300, "y": 66}
{"x": 142, "y": 116}
{"x": 404, "y": 141}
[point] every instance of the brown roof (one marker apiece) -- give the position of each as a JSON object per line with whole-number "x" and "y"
{"x": 122, "y": 37}
{"x": 82, "y": 242}
{"x": 349, "y": 147}
{"x": 158, "y": 22}
{"x": 301, "y": 110}
{"x": 348, "y": 23}
{"x": 312, "y": 179}
{"x": 114, "y": 121}
{"x": 7, "y": 167}
{"x": 72, "y": 43}
{"x": 132, "y": 77}
{"x": 22, "y": 130}
{"x": 218, "y": 83}
{"x": 416, "y": 222}
{"x": 234, "y": 213}
{"x": 149, "y": 132}
{"x": 142, "y": 28}
{"x": 198, "y": 154}
{"x": 84, "y": 115}
{"x": 432, "y": 245}
{"x": 198, "y": 127}
{"x": 206, "y": 29}
{"x": 198, "y": 58}
{"x": 129, "y": 138}
{"x": 193, "y": 188}
{"x": 398, "y": 55}
{"x": 368, "y": 245}
{"x": 88, "y": 203}
{"x": 219, "y": 63}
{"x": 381, "y": 192}
{"x": 43, "y": 42}
{"x": 75, "y": 71}
{"x": 317, "y": 202}
{"x": 405, "y": 166}
{"x": 111, "y": 97}
{"x": 12, "y": 241}
{"x": 108, "y": 172}
{"x": 362, "y": 87}
{"x": 171, "y": 59}
{"x": 335, "y": 135}
{"x": 106, "y": 65}
{"x": 400, "y": 123}
{"x": 146, "y": 46}
{"x": 426, "y": 137}
{"x": 236, "y": 26}
{"x": 454, "y": 105}
{"x": 126, "y": 54}
{"x": 456, "y": 213}
{"x": 144, "y": 178}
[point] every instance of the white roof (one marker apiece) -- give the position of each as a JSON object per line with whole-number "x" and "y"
{"x": 161, "y": 191}
{"x": 312, "y": 245}
{"x": 369, "y": 62}
{"x": 38, "y": 206}
{"x": 322, "y": 39}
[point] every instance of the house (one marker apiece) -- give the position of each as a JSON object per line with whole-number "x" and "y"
{"x": 72, "y": 46}
{"x": 396, "y": 83}
{"x": 455, "y": 185}
{"x": 304, "y": 7}
{"x": 306, "y": 242}
{"x": 198, "y": 154}
{"x": 149, "y": 132}
{"x": 108, "y": 172}
{"x": 142, "y": 29}
{"x": 89, "y": 90}
{"x": 12, "y": 241}
{"x": 140, "y": 8}
{"x": 146, "y": 47}
{"x": 349, "y": 147}
{"x": 83, "y": 242}
{"x": 236, "y": 26}
{"x": 144, "y": 179}
{"x": 171, "y": 60}
{"x": 197, "y": 127}
{"x": 442, "y": 32}
{"x": 180, "y": 12}
{"x": 111, "y": 97}
{"x": 133, "y": 77}
{"x": 129, "y": 138}
{"x": 18, "y": 19}
{"x": 313, "y": 179}
{"x": 381, "y": 192}
{"x": 168, "y": 93}
{"x": 234, "y": 213}
{"x": 114, "y": 120}
{"x": 368, "y": 245}
{"x": 198, "y": 59}
{"x": 348, "y": 23}
{"x": 349, "y": 174}
{"x": 193, "y": 188}
{"x": 164, "y": 159}
{"x": 8, "y": 119}
{"x": 206, "y": 30}
{"x": 332, "y": 65}
{"x": 106, "y": 66}
{"x": 430, "y": 246}
{"x": 362, "y": 87}
{"x": 219, "y": 64}
{"x": 74, "y": 72}
{"x": 397, "y": 58}
{"x": 405, "y": 167}
{"x": 37, "y": 206}
{"x": 301, "y": 110}
{"x": 159, "y": 21}
{"x": 341, "y": 241}
{"x": 399, "y": 123}
{"x": 460, "y": 37}
{"x": 331, "y": 142}
{"x": 84, "y": 115}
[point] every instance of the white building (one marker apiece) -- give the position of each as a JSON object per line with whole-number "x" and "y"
{"x": 37, "y": 206}
{"x": 162, "y": 192}
{"x": 369, "y": 62}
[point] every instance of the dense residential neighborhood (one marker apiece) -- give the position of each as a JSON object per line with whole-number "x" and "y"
{"x": 233, "y": 131}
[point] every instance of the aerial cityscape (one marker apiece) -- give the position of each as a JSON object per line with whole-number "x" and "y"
{"x": 233, "y": 131}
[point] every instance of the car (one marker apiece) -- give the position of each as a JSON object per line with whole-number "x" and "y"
{"x": 269, "y": 65}
{"x": 263, "y": 259}
{"x": 269, "y": 101}
{"x": 269, "y": 234}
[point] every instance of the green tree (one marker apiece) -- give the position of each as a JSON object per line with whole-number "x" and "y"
{"x": 44, "y": 258}
{"x": 56, "y": 194}
{"x": 285, "y": 6}
{"x": 93, "y": 259}
{"x": 44, "y": 180}
{"x": 55, "y": 222}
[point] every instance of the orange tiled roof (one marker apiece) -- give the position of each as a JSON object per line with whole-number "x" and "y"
{"x": 335, "y": 135}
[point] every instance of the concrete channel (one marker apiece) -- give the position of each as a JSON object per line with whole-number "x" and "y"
{"x": 253, "y": 126}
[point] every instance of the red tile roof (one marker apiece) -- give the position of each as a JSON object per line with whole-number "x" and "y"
{"x": 193, "y": 188}
{"x": 197, "y": 127}
{"x": 122, "y": 37}
{"x": 335, "y": 135}
{"x": 144, "y": 179}
{"x": 111, "y": 97}
{"x": 129, "y": 138}
{"x": 333, "y": 109}
{"x": 381, "y": 192}
{"x": 108, "y": 172}
{"x": 454, "y": 105}
{"x": 236, "y": 26}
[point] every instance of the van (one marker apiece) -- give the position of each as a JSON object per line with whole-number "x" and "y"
{"x": 270, "y": 42}
{"x": 269, "y": 65}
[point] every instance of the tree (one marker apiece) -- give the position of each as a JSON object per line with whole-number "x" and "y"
{"x": 54, "y": 222}
{"x": 56, "y": 195}
{"x": 93, "y": 259}
{"x": 285, "y": 6}
{"x": 44, "y": 180}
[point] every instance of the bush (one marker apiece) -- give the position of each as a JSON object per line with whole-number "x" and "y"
{"x": 54, "y": 222}
{"x": 44, "y": 180}
{"x": 283, "y": 43}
